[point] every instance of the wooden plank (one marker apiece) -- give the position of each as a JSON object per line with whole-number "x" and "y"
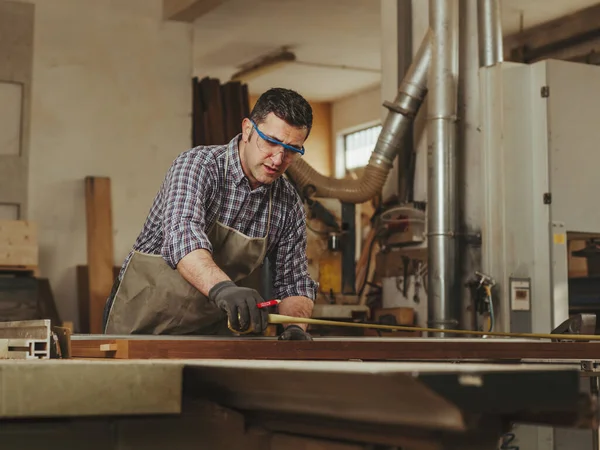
{"x": 99, "y": 247}
{"x": 188, "y": 10}
{"x": 18, "y": 243}
{"x": 346, "y": 349}
{"x": 540, "y": 41}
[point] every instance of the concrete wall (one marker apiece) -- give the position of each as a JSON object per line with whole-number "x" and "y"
{"x": 111, "y": 97}
{"x": 16, "y": 56}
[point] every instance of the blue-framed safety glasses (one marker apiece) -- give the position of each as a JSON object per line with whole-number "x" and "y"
{"x": 276, "y": 142}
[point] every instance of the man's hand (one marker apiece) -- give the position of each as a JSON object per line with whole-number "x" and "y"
{"x": 240, "y": 305}
{"x": 295, "y": 333}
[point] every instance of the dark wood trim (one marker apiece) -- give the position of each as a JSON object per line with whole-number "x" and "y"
{"x": 547, "y": 39}
{"x": 368, "y": 350}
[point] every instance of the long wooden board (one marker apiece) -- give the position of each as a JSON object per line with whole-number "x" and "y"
{"x": 99, "y": 247}
{"x": 360, "y": 349}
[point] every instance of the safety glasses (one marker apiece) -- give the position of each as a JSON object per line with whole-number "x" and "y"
{"x": 272, "y": 144}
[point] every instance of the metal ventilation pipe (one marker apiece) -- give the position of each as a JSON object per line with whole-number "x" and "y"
{"x": 390, "y": 143}
{"x": 490, "y": 32}
{"x": 442, "y": 202}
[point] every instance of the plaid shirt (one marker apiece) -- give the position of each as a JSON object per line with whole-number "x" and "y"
{"x": 188, "y": 201}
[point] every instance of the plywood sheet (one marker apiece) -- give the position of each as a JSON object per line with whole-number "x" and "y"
{"x": 18, "y": 243}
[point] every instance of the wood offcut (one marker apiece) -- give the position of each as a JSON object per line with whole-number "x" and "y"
{"x": 18, "y": 244}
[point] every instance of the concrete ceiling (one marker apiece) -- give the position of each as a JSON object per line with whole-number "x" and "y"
{"x": 320, "y": 32}
{"x": 332, "y": 32}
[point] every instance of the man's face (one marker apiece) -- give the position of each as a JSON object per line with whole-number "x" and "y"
{"x": 262, "y": 161}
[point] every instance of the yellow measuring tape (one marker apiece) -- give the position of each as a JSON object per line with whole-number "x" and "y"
{"x": 280, "y": 319}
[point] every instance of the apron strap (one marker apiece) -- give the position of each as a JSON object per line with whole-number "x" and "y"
{"x": 224, "y": 194}
{"x": 224, "y": 188}
{"x": 270, "y": 208}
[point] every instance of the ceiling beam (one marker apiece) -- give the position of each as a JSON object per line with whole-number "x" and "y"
{"x": 188, "y": 10}
{"x": 545, "y": 40}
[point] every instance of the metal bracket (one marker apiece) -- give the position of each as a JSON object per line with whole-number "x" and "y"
{"x": 473, "y": 239}
{"x": 27, "y": 339}
{"x": 545, "y": 91}
{"x": 484, "y": 280}
{"x": 590, "y": 366}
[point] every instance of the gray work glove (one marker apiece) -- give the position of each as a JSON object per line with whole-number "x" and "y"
{"x": 295, "y": 333}
{"x": 240, "y": 305}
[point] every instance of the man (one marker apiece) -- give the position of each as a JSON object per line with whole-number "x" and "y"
{"x": 220, "y": 210}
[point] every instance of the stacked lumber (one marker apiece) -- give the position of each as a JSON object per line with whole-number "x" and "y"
{"x": 18, "y": 245}
{"x": 218, "y": 110}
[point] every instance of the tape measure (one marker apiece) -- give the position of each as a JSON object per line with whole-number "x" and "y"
{"x": 281, "y": 319}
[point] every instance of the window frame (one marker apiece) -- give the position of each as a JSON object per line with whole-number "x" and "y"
{"x": 340, "y": 161}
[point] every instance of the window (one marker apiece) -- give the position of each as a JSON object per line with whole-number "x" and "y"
{"x": 359, "y": 145}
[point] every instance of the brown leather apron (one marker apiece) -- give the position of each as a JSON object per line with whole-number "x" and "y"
{"x": 152, "y": 298}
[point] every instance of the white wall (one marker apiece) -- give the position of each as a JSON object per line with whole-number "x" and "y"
{"x": 111, "y": 97}
{"x": 351, "y": 113}
{"x": 355, "y": 110}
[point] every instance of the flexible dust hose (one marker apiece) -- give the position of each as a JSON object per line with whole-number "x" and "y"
{"x": 390, "y": 143}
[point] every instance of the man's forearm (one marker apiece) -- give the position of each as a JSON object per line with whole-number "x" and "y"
{"x": 296, "y": 307}
{"x": 200, "y": 270}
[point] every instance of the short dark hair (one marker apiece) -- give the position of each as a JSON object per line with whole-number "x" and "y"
{"x": 286, "y": 104}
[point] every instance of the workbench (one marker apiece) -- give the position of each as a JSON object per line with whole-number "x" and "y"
{"x": 259, "y": 393}
{"x": 413, "y": 405}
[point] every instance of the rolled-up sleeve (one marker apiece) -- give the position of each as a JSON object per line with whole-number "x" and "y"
{"x": 185, "y": 189}
{"x": 291, "y": 263}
